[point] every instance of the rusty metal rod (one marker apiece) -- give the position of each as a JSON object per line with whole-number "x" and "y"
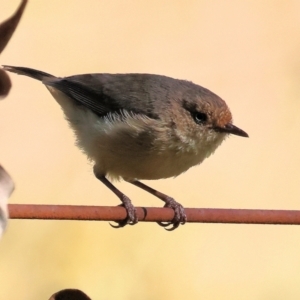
{"x": 153, "y": 214}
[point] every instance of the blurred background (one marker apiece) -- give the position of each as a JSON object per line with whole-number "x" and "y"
{"x": 247, "y": 52}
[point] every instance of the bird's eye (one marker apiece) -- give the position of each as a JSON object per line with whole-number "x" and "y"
{"x": 199, "y": 117}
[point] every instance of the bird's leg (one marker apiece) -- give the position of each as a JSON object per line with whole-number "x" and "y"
{"x": 131, "y": 218}
{"x": 179, "y": 214}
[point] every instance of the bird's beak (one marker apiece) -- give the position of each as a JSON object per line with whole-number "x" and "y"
{"x": 230, "y": 128}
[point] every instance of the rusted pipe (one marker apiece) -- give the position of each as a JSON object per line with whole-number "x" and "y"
{"x": 153, "y": 214}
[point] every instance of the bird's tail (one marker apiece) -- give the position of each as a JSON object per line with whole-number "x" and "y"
{"x": 36, "y": 74}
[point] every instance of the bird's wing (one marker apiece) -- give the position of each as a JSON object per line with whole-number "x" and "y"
{"x": 106, "y": 93}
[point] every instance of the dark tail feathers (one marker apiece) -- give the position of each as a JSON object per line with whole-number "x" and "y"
{"x": 39, "y": 75}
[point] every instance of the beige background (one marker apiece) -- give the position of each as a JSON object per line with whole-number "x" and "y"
{"x": 248, "y": 52}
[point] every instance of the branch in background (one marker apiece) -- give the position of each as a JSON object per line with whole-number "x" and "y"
{"x": 153, "y": 214}
{"x": 5, "y": 84}
{"x": 7, "y": 29}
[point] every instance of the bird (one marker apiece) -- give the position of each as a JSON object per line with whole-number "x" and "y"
{"x": 137, "y": 126}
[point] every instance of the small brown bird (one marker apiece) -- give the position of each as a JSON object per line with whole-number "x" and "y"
{"x": 140, "y": 126}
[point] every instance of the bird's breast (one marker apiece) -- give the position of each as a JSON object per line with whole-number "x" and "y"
{"x": 132, "y": 146}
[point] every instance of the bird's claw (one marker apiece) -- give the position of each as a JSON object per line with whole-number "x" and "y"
{"x": 179, "y": 215}
{"x": 131, "y": 218}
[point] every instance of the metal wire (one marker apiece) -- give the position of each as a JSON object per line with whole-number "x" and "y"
{"x": 153, "y": 214}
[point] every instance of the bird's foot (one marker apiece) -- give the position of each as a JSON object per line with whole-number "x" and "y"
{"x": 131, "y": 218}
{"x": 179, "y": 215}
